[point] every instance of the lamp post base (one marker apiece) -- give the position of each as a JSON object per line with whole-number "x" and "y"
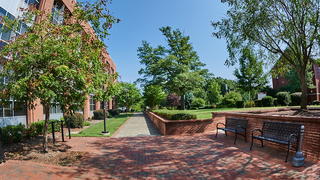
{"x": 298, "y": 159}
{"x": 105, "y": 133}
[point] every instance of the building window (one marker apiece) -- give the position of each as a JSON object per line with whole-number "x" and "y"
{"x": 13, "y": 108}
{"x": 58, "y": 12}
{"x": 35, "y": 3}
{"x": 92, "y": 103}
{"x": 55, "y": 108}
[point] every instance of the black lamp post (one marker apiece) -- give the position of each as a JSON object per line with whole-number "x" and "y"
{"x": 105, "y": 131}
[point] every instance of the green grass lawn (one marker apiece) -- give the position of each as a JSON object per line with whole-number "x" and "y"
{"x": 112, "y": 125}
{"x": 206, "y": 113}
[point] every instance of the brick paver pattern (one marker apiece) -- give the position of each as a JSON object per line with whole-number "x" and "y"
{"x": 137, "y": 125}
{"x": 159, "y": 157}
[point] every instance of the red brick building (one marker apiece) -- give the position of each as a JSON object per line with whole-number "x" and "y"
{"x": 314, "y": 94}
{"x": 16, "y": 112}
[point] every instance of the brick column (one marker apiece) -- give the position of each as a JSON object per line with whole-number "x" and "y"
{"x": 46, "y": 6}
{"x": 98, "y": 105}
{"x": 110, "y": 104}
{"x": 86, "y": 108}
{"x": 36, "y": 114}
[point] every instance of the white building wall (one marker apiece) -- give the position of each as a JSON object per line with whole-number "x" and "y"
{"x": 15, "y": 120}
{"x": 13, "y": 6}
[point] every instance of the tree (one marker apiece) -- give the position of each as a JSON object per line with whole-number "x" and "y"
{"x": 279, "y": 27}
{"x": 153, "y": 95}
{"x": 128, "y": 96}
{"x": 250, "y": 74}
{"x": 56, "y": 62}
{"x": 175, "y": 68}
{"x": 214, "y": 93}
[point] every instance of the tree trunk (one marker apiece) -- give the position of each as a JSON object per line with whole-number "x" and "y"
{"x": 2, "y": 157}
{"x": 183, "y": 103}
{"x": 304, "y": 90}
{"x": 46, "y": 108}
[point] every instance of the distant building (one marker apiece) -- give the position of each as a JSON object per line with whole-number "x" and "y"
{"x": 16, "y": 112}
{"x": 313, "y": 94}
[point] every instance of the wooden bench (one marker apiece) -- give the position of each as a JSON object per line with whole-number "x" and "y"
{"x": 278, "y": 132}
{"x": 236, "y": 125}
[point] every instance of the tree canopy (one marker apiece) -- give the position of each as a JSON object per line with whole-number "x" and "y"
{"x": 273, "y": 28}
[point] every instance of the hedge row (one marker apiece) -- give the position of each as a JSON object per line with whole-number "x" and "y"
{"x": 99, "y": 115}
{"x": 177, "y": 116}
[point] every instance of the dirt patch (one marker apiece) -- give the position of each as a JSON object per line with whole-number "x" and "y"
{"x": 31, "y": 150}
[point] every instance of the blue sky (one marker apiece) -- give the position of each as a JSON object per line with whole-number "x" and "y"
{"x": 141, "y": 20}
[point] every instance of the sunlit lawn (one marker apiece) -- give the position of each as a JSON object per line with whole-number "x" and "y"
{"x": 112, "y": 125}
{"x": 206, "y": 113}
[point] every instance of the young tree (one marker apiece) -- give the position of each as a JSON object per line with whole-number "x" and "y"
{"x": 56, "y": 62}
{"x": 214, "y": 93}
{"x": 169, "y": 66}
{"x": 250, "y": 74}
{"x": 279, "y": 27}
{"x": 129, "y": 95}
{"x": 153, "y": 95}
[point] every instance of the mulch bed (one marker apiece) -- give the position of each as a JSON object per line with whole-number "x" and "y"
{"x": 31, "y": 150}
{"x": 298, "y": 113}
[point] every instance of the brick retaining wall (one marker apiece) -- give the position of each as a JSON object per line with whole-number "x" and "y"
{"x": 311, "y": 141}
{"x": 177, "y": 127}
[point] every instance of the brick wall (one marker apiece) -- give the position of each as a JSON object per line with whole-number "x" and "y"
{"x": 311, "y": 141}
{"x": 178, "y": 127}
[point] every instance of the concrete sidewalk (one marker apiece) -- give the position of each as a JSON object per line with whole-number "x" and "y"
{"x": 137, "y": 125}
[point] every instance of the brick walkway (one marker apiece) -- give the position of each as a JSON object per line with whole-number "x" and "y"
{"x": 137, "y": 125}
{"x": 163, "y": 157}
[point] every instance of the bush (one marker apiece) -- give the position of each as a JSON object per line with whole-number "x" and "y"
{"x": 283, "y": 98}
{"x": 267, "y": 101}
{"x": 99, "y": 114}
{"x": 76, "y": 120}
{"x": 249, "y": 104}
{"x": 231, "y": 99}
{"x": 37, "y": 128}
{"x": 258, "y": 103}
{"x": 198, "y": 103}
{"x": 183, "y": 116}
{"x": 12, "y": 134}
{"x": 114, "y": 112}
{"x": 240, "y": 104}
{"x": 178, "y": 116}
{"x": 315, "y": 102}
{"x": 295, "y": 98}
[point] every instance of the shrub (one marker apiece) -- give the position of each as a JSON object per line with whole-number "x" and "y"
{"x": 99, "y": 114}
{"x": 183, "y": 116}
{"x": 12, "y": 134}
{"x": 231, "y": 98}
{"x": 114, "y": 112}
{"x": 76, "y": 120}
{"x": 315, "y": 102}
{"x": 177, "y": 116}
{"x": 240, "y": 104}
{"x": 198, "y": 103}
{"x": 283, "y": 98}
{"x": 258, "y": 103}
{"x": 267, "y": 101}
{"x": 249, "y": 104}
{"x": 37, "y": 128}
{"x": 295, "y": 98}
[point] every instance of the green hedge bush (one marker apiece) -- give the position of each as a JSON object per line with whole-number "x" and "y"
{"x": 114, "y": 112}
{"x": 12, "y": 134}
{"x": 198, "y": 103}
{"x": 37, "y": 128}
{"x": 177, "y": 116}
{"x": 283, "y": 98}
{"x": 231, "y": 99}
{"x": 315, "y": 102}
{"x": 249, "y": 104}
{"x": 296, "y": 98}
{"x": 99, "y": 114}
{"x": 240, "y": 104}
{"x": 267, "y": 101}
{"x": 76, "y": 120}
